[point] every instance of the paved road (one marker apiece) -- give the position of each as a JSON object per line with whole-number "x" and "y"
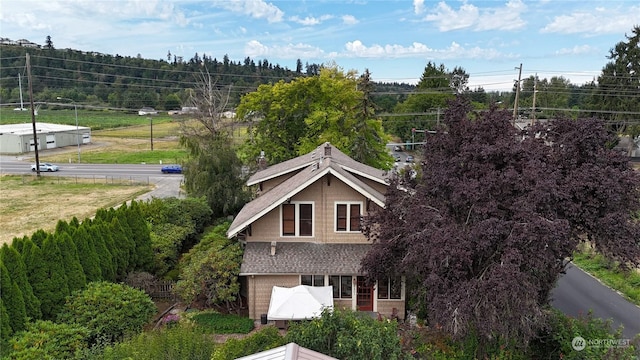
{"x": 577, "y": 292}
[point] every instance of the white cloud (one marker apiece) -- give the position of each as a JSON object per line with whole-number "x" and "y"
{"x": 448, "y": 19}
{"x": 596, "y": 22}
{"x": 577, "y": 50}
{"x": 258, "y": 9}
{"x": 469, "y": 16}
{"x": 418, "y": 6}
{"x": 358, "y": 49}
{"x": 291, "y": 51}
{"x": 309, "y": 20}
{"x": 349, "y": 20}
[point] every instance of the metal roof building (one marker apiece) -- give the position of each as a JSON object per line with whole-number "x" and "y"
{"x": 18, "y": 138}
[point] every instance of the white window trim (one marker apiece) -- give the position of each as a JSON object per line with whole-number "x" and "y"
{"x": 335, "y": 216}
{"x": 297, "y": 219}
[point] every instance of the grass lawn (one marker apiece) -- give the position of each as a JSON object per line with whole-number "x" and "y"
{"x": 627, "y": 283}
{"x": 29, "y": 204}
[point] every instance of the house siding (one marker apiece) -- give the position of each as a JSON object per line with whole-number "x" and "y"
{"x": 324, "y": 193}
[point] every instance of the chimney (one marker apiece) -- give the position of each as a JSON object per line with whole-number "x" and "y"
{"x": 327, "y": 149}
{"x": 273, "y": 248}
{"x": 262, "y": 161}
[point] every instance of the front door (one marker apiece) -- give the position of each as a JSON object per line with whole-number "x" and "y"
{"x": 364, "y": 295}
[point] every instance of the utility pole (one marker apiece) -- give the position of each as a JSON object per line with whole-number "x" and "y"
{"x": 33, "y": 115}
{"x": 515, "y": 104}
{"x": 535, "y": 90}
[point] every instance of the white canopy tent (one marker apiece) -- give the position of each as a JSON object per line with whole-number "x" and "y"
{"x": 299, "y": 302}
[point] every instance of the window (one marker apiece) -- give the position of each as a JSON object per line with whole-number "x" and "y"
{"x": 348, "y": 216}
{"x": 341, "y": 286}
{"x": 297, "y": 219}
{"x": 312, "y": 280}
{"x": 390, "y": 288}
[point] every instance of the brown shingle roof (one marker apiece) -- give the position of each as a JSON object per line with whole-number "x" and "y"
{"x": 303, "y": 258}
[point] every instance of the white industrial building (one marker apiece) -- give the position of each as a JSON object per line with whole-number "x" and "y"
{"x": 18, "y": 138}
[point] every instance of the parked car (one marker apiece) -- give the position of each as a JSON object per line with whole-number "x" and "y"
{"x": 409, "y": 159}
{"x": 397, "y": 148}
{"x": 172, "y": 169}
{"x": 397, "y": 157}
{"x": 45, "y": 167}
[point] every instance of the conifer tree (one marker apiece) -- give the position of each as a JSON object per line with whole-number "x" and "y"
{"x": 18, "y": 273}
{"x": 105, "y": 259}
{"x": 63, "y": 226}
{"x": 36, "y": 270}
{"x": 5, "y": 327}
{"x": 74, "y": 223}
{"x": 55, "y": 288}
{"x": 88, "y": 256}
{"x": 125, "y": 246}
{"x": 12, "y": 300}
{"x": 18, "y": 243}
{"x": 76, "y": 279}
{"x": 39, "y": 236}
{"x": 141, "y": 236}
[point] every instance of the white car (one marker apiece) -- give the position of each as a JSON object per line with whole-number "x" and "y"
{"x": 45, "y": 167}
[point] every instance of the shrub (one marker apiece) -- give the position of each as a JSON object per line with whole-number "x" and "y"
{"x": 48, "y": 340}
{"x": 264, "y": 339}
{"x": 217, "y": 323}
{"x": 110, "y": 311}
{"x": 346, "y": 334}
{"x": 182, "y": 342}
{"x": 556, "y": 341}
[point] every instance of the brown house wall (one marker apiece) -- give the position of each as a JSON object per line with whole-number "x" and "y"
{"x": 324, "y": 193}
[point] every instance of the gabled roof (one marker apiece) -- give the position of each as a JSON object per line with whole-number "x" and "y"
{"x": 291, "y": 351}
{"x": 303, "y": 161}
{"x": 302, "y": 258}
{"x": 313, "y": 168}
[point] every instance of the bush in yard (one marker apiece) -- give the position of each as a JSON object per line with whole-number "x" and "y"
{"x": 48, "y": 340}
{"x": 216, "y": 323}
{"x": 110, "y": 311}
{"x": 346, "y": 334}
{"x": 555, "y": 341}
{"x": 265, "y": 339}
{"x": 182, "y": 342}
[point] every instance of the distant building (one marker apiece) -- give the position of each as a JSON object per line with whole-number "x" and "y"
{"x": 147, "y": 111}
{"x": 18, "y": 138}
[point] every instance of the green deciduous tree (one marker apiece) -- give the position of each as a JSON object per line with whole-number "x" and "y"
{"x": 210, "y": 269}
{"x": 109, "y": 311}
{"x": 290, "y": 119}
{"x": 213, "y": 169}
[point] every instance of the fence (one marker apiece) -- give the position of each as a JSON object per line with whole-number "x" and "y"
{"x": 89, "y": 179}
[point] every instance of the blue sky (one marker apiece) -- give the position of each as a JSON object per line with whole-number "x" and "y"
{"x": 393, "y": 39}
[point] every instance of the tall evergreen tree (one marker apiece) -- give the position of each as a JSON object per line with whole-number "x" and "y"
{"x": 125, "y": 245}
{"x": 141, "y": 236}
{"x": 37, "y": 271}
{"x": 63, "y": 227}
{"x": 18, "y": 273}
{"x": 76, "y": 279}
{"x": 88, "y": 256}
{"x": 12, "y": 300}
{"x": 55, "y": 288}
{"x": 5, "y": 327}
{"x": 39, "y": 236}
{"x": 105, "y": 258}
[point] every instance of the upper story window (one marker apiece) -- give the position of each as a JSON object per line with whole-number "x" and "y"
{"x": 297, "y": 219}
{"x": 348, "y": 216}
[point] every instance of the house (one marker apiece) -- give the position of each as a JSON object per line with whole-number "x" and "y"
{"x": 290, "y": 351}
{"x": 303, "y": 228}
